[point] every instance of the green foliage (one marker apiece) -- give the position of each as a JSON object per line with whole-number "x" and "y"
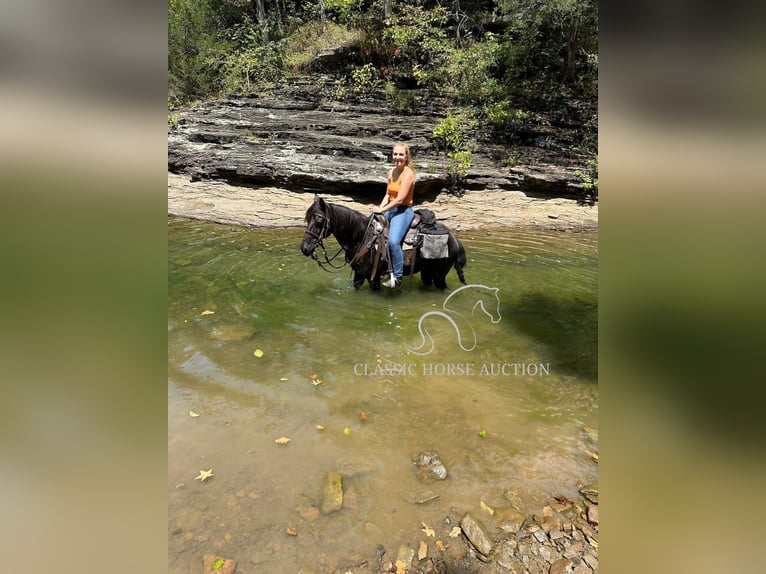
{"x": 195, "y": 52}
{"x": 470, "y": 71}
{"x": 452, "y": 133}
{"x": 551, "y": 43}
{"x": 414, "y": 40}
{"x": 457, "y": 169}
{"x": 364, "y": 80}
{"x": 589, "y": 176}
{"x": 308, "y": 39}
{"x": 503, "y": 115}
{"x": 246, "y": 70}
{"x": 342, "y": 10}
{"x": 401, "y": 101}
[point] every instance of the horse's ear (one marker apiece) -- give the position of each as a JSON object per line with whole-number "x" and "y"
{"x": 321, "y": 202}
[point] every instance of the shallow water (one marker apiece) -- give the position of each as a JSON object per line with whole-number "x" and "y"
{"x": 510, "y": 413}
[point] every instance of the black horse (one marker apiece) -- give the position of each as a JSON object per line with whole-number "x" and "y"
{"x": 352, "y": 230}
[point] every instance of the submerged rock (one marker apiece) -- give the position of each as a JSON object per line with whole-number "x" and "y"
{"x": 430, "y": 466}
{"x": 422, "y": 497}
{"x": 332, "y": 493}
{"x": 229, "y": 333}
{"x": 476, "y": 533}
{"x": 405, "y": 556}
{"x": 509, "y": 519}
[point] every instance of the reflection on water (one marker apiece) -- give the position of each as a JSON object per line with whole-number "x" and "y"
{"x": 510, "y": 413}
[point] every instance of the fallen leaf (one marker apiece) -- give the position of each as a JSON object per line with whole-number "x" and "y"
{"x": 482, "y": 433}
{"x": 319, "y": 427}
{"x": 316, "y": 382}
{"x": 207, "y": 312}
{"x": 193, "y": 414}
{"x": 283, "y": 379}
{"x": 401, "y": 567}
{"x": 204, "y": 474}
{"x": 439, "y": 545}
{"x": 455, "y": 532}
{"x": 314, "y": 376}
{"x": 422, "y": 550}
{"x": 428, "y": 530}
{"x": 292, "y": 531}
{"x": 362, "y": 416}
{"x": 346, "y": 431}
{"x": 282, "y": 440}
{"x": 486, "y": 508}
{"x": 591, "y": 454}
{"x": 258, "y": 353}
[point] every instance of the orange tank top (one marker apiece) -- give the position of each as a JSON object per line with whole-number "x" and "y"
{"x": 393, "y": 189}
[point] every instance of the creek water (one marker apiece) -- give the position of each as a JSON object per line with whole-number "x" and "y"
{"x": 506, "y": 394}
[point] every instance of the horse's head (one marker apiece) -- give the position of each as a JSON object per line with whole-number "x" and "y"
{"x": 317, "y": 226}
{"x": 487, "y": 299}
{"x": 494, "y": 305}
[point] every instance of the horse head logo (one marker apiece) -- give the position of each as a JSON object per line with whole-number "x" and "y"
{"x": 484, "y": 298}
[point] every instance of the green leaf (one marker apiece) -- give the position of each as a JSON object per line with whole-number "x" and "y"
{"x": 218, "y": 564}
{"x": 258, "y": 353}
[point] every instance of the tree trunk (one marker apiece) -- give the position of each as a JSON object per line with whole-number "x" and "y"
{"x": 387, "y": 8}
{"x": 322, "y": 14}
{"x": 260, "y": 11}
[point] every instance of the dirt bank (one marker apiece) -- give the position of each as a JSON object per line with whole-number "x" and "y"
{"x": 277, "y": 207}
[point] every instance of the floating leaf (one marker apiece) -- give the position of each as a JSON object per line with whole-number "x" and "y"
{"x": 314, "y": 376}
{"x": 282, "y": 440}
{"x": 204, "y": 474}
{"x": 428, "y": 530}
{"x": 591, "y": 454}
{"x": 218, "y": 564}
{"x": 482, "y": 433}
{"x": 193, "y": 414}
{"x": 346, "y": 431}
{"x": 292, "y": 531}
{"x": 422, "y": 550}
{"x": 207, "y": 312}
{"x": 439, "y": 545}
{"x": 486, "y": 508}
{"x": 455, "y": 532}
{"x": 283, "y": 379}
{"x": 362, "y": 416}
{"x": 258, "y": 353}
{"x": 317, "y": 382}
{"x": 319, "y": 427}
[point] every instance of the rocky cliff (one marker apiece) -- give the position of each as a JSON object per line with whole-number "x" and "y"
{"x": 295, "y": 137}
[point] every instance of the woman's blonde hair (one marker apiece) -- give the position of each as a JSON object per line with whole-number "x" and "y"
{"x": 407, "y": 154}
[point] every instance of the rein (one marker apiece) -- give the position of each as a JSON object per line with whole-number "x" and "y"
{"x": 320, "y": 237}
{"x": 324, "y": 232}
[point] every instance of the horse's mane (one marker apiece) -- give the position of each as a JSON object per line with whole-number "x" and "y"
{"x": 345, "y": 216}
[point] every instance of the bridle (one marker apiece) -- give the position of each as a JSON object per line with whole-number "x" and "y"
{"x": 324, "y": 231}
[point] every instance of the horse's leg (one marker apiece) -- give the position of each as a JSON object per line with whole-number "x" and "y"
{"x": 358, "y": 279}
{"x": 425, "y": 276}
{"x": 375, "y": 283}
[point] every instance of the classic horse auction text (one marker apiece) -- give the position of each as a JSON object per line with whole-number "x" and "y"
{"x": 452, "y": 369}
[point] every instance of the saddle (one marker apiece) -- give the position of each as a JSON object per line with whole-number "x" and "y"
{"x": 421, "y": 239}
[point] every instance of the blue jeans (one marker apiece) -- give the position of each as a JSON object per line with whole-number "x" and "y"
{"x": 400, "y": 218}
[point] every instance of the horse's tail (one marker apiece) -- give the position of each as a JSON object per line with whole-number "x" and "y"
{"x": 461, "y": 261}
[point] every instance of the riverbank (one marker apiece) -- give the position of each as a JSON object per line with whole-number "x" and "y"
{"x": 277, "y": 207}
